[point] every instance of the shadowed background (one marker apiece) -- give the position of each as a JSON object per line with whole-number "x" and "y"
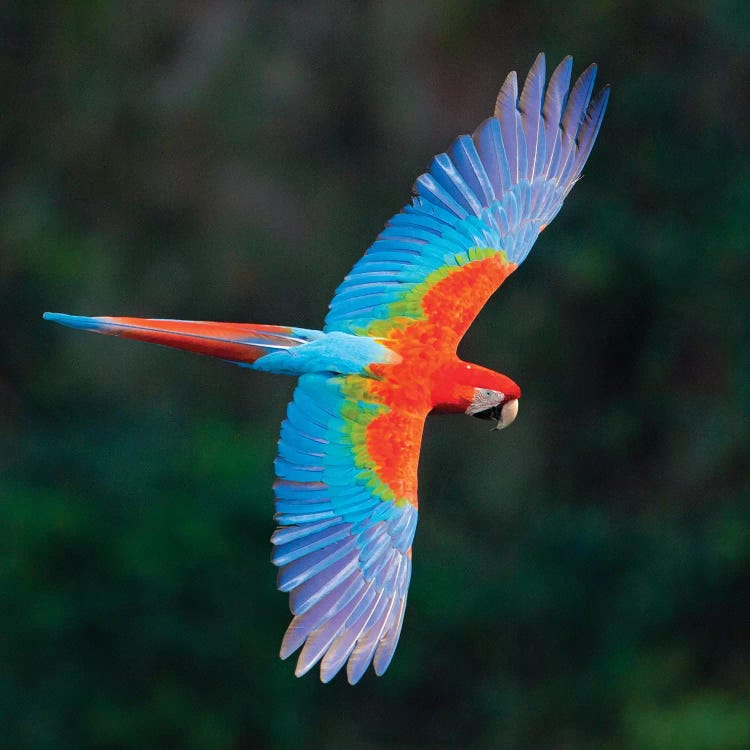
{"x": 578, "y": 579}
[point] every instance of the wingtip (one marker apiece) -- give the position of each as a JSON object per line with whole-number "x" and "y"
{"x": 539, "y": 60}
{"x": 563, "y": 73}
{"x": 354, "y": 675}
{"x": 591, "y": 71}
{"x": 602, "y": 98}
{"x": 509, "y": 90}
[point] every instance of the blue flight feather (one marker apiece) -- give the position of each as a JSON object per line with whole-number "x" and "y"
{"x": 496, "y": 189}
{"x": 530, "y": 106}
{"x": 354, "y": 537}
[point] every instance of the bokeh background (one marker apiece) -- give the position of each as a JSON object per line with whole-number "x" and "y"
{"x": 581, "y": 580}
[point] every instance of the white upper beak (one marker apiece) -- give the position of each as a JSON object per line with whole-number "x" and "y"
{"x": 507, "y": 414}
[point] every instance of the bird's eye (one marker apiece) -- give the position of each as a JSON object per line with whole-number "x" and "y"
{"x": 486, "y": 404}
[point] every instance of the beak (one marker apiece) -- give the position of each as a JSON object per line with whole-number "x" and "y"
{"x": 507, "y": 414}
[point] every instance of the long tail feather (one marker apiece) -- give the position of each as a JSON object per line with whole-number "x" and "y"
{"x": 243, "y": 343}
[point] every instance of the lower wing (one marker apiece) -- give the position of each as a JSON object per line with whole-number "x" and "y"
{"x": 346, "y": 508}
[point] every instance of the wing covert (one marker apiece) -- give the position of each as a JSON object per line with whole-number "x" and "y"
{"x": 477, "y": 211}
{"x": 346, "y": 510}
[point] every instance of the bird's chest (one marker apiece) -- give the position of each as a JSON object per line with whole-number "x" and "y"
{"x": 407, "y": 385}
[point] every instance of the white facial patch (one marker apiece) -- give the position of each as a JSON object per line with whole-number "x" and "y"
{"x": 484, "y": 399}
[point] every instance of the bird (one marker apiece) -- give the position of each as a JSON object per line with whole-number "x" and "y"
{"x": 345, "y": 491}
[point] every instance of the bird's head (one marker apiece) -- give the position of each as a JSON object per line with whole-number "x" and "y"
{"x": 477, "y": 391}
{"x": 491, "y": 404}
{"x": 494, "y": 396}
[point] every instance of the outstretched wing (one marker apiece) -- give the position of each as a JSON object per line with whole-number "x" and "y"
{"x": 346, "y": 508}
{"x": 477, "y": 212}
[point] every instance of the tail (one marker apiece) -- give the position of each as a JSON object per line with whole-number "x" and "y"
{"x": 241, "y": 343}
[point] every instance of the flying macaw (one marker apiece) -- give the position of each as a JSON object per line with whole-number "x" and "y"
{"x": 346, "y": 471}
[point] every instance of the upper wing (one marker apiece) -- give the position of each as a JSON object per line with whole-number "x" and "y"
{"x": 346, "y": 507}
{"x": 477, "y": 211}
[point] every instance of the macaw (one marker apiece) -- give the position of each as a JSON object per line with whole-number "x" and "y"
{"x": 346, "y": 471}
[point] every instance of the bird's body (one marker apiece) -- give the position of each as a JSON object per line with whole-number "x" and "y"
{"x": 346, "y": 486}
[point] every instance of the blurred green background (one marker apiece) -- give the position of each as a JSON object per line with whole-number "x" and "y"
{"x": 581, "y": 580}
